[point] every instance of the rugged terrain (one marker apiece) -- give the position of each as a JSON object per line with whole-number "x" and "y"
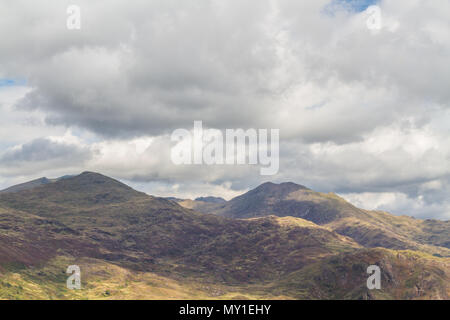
{"x": 368, "y": 228}
{"x": 274, "y": 242}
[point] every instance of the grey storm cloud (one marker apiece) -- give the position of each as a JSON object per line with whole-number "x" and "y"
{"x": 43, "y": 152}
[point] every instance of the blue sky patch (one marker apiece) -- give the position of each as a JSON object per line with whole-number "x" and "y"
{"x": 349, "y": 5}
{"x": 360, "y": 5}
{"x": 12, "y": 82}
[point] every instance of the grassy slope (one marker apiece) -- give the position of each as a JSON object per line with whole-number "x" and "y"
{"x": 103, "y": 280}
{"x": 93, "y": 216}
{"x": 405, "y": 275}
{"x": 131, "y": 245}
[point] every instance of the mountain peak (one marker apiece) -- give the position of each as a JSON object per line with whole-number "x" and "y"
{"x": 92, "y": 174}
{"x": 91, "y": 181}
{"x": 84, "y": 190}
{"x": 283, "y": 188}
{"x": 287, "y": 199}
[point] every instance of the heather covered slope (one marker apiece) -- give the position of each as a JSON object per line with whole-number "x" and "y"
{"x": 95, "y": 216}
{"x": 368, "y": 228}
{"x": 404, "y": 275}
{"x": 131, "y": 245}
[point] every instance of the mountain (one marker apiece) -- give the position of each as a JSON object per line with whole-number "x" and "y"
{"x": 130, "y": 245}
{"x": 211, "y": 199}
{"x": 27, "y": 185}
{"x": 87, "y": 190}
{"x": 32, "y": 184}
{"x": 368, "y": 228}
{"x": 126, "y": 225}
{"x": 288, "y": 199}
{"x": 200, "y": 204}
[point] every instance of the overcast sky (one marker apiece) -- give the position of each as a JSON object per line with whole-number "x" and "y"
{"x": 362, "y": 113}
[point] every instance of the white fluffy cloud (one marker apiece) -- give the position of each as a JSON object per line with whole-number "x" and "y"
{"x": 361, "y": 113}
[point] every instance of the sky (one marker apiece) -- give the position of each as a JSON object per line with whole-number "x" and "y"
{"x": 362, "y": 112}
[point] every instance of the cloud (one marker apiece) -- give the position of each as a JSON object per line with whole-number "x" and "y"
{"x": 359, "y": 112}
{"x": 401, "y": 204}
{"x": 41, "y": 154}
{"x": 188, "y": 191}
{"x": 210, "y": 61}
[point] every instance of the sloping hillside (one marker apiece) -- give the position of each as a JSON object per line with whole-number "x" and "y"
{"x": 368, "y": 228}
{"x": 146, "y": 233}
{"x": 132, "y": 245}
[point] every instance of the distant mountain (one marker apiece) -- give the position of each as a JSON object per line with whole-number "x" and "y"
{"x": 83, "y": 191}
{"x": 173, "y": 199}
{"x": 211, "y": 199}
{"x": 32, "y": 184}
{"x": 287, "y": 199}
{"x": 27, "y": 185}
{"x": 130, "y": 245}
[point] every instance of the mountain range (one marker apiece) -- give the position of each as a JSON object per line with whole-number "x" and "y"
{"x": 277, "y": 241}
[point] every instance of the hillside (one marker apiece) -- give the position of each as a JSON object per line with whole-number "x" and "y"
{"x": 368, "y": 228}
{"x": 132, "y": 245}
{"x": 137, "y": 230}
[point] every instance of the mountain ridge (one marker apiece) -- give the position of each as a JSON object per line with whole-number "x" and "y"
{"x": 104, "y": 225}
{"x": 369, "y": 228}
{"x": 33, "y": 184}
